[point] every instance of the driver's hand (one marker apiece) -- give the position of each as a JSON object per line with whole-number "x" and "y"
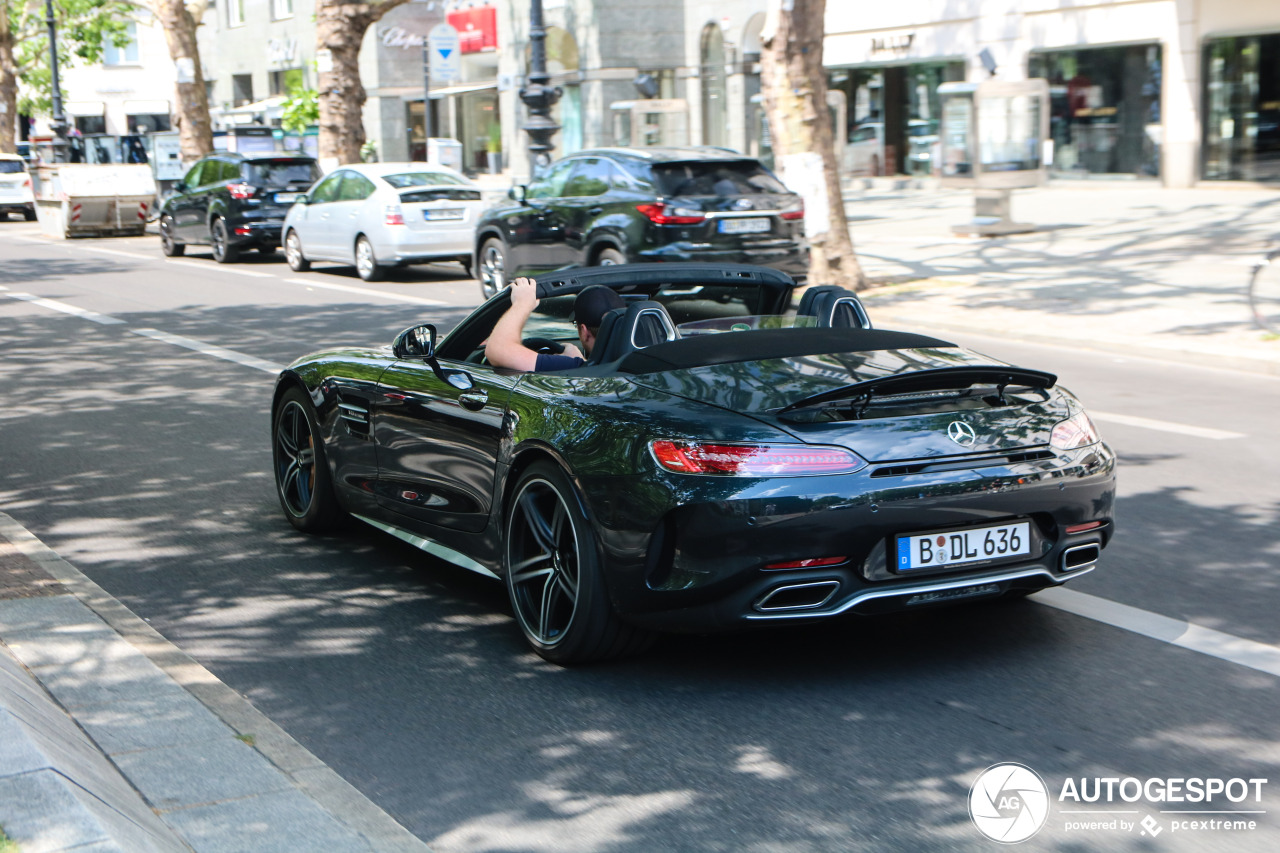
{"x": 524, "y": 294}
{"x": 570, "y": 349}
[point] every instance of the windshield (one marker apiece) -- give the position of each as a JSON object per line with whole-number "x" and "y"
{"x": 746, "y": 177}
{"x": 8, "y": 167}
{"x": 423, "y": 179}
{"x": 282, "y": 174}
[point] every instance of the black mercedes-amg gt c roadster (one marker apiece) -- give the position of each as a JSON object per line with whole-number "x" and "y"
{"x": 722, "y": 460}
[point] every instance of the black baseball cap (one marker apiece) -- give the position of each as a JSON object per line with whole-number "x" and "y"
{"x": 593, "y": 303}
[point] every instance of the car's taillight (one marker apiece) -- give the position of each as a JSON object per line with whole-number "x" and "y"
{"x": 1074, "y": 432}
{"x": 393, "y": 215}
{"x": 794, "y": 211}
{"x": 26, "y": 185}
{"x": 240, "y": 191}
{"x": 665, "y": 214}
{"x": 753, "y": 460}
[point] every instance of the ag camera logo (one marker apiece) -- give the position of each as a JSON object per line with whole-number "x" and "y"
{"x": 1009, "y": 803}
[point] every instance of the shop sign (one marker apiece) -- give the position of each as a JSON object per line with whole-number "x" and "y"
{"x": 477, "y": 28}
{"x": 893, "y": 44}
{"x": 282, "y": 52}
{"x": 399, "y": 37}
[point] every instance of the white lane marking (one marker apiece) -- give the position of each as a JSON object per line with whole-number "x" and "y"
{"x": 133, "y": 255}
{"x": 55, "y": 305}
{"x": 209, "y": 349}
{"x": 364, "y": 291}
{"x": 1187, "y": 635}
{"x": 1165, "y": 426}
{"x": 219, "y": 268}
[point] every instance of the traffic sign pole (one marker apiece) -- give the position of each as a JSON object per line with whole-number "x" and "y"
{"x": 426, "y": 97}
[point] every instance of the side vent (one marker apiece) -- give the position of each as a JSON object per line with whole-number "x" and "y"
{"x": 356, "y": 418}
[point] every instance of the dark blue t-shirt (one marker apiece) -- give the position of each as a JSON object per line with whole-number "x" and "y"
{"x": 547, "y": 362}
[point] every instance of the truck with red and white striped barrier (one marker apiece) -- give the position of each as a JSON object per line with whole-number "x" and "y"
{"x": 83, "y": 199}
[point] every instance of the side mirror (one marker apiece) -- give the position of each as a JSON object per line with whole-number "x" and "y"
{"x": 302, "y": 199}
{"x": 180, "y": 187}
{"x": 416, "y": 342}
{"x": 518, "y": 192}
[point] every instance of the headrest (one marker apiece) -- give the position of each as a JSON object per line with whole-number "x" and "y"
{"x": 625, "y": 330}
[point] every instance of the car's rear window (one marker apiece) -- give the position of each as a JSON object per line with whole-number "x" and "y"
{"x": 715, "y": 178}
{"x": 282, "y": 174}
{"x": 404, "y": 180}
{"x": 8, "y": 167}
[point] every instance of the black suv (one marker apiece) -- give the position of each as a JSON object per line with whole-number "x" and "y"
{"x": 231, "y": 202}
{"x": 629, "y": 205}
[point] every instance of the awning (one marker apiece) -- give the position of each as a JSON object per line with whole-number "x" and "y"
{"x": 257, "y": 106}
{"x": 146, "y": 108}
{"x": 463, "y": 89}
{"x": 84, "y": 108}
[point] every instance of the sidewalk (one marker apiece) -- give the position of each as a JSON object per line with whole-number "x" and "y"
{"x": 1127, "y": 267}
{"x": 113, "y": 739}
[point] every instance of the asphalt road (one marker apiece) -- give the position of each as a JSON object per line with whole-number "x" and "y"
{"x": 135, "y": 441}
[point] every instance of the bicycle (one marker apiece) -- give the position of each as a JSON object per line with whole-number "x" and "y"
{"x": 1264, "y": 292}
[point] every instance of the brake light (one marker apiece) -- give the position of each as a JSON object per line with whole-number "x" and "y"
{"x": 243, "y": 230}
{"x": 393, "y": 215}
{"x": 240, "y": 191}
{"x": 665, "y": 214}
{"x": 26, "y": 185}
{"x": 1077, "y": 431}
{"x": 794, "y": 212}
{"x": 753, "y": 460}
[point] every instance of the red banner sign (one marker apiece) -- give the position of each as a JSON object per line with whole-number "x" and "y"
{"x": 477, "y": 28}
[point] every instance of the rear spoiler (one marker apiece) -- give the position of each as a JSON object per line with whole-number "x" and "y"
{"x": 935, "y": 379}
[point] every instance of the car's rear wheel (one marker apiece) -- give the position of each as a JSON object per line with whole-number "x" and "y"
{"x": 28, "y": 213}
{"x": 303, "y": 483}
{"x": 493, "y": 267}
{"x": 293, "y": 253}
{"x": 366, "y": 262}
{"x": 554, "y": 574}
{"x": 168, "y": 244}
{"x": 220, "y": 243}
{"x": 610, "y": 256}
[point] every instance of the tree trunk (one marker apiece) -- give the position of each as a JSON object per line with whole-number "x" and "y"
{"x": 340, "y": 29}
{"x": 794, "y": 83}
{"x": 191, "y": 111}
{"x": 8, "y": 85}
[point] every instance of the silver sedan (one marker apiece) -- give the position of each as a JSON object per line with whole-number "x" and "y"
{"x": 380, "y": 215}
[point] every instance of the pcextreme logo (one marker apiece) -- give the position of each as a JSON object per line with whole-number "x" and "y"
{"x": 1009, "y": 803}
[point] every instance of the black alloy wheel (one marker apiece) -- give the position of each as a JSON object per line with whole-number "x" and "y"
{"x": 366, "y": 262}
{"x": 168, "y": 245}
{"x": 293, "y": 252}
{"x": 223, "y": 251}
{"x": 303, "y": 483}
{"x": 493, "y": 267}
{"x": 553, "y": 574}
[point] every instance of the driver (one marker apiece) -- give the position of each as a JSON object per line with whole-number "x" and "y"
{"x": 505, "y": 347}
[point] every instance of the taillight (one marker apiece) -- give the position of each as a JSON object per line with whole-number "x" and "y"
{"x": 1074, "y": 432}
{"x": 393, "y": 215}
{"x": 240, "y": 191}
{"x": 26, "y": 185}
{"x": 794, "y": 211}
{"x": 665, "y": 214}
{"x": 753, "y": 460}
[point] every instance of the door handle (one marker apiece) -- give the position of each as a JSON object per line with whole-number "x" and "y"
{"x": 474, "y": 400}
{"x": 595, "y": 211}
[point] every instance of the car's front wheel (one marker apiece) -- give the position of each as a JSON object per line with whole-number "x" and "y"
{"x": 493, "y": 267}
{"x": 303, "y": 483}
{"x": 367, "y": 262}
{"x": 293, "y": 252}
{"x": 168, "y": 243}
{"x": 610, "y": 256}
{"x": 554, "y": 574}
{"x": 220, "y": 243}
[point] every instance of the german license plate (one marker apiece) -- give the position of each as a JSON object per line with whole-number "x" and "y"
{"x": 753, "y": 225}
{"x": 963, "y": 547}
{"x": 286, "y": 198}
{"x": 437, "y": 214}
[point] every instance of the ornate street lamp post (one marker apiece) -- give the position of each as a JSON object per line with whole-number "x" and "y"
{"x": 59, "y": 123}
{"x": 538, "y": 96}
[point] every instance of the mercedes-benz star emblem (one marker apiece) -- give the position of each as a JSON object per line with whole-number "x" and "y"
{"x": 742, "y": 204}
{"x": 961, "y": 433}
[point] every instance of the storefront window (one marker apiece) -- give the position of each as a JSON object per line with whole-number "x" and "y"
{"x": 1104, "y": 109}
{"x": 1242, "y": 108}
{"x": 891, "y": 116}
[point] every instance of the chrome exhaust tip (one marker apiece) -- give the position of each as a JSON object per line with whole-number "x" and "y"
{"x": 797, "y": 596}
{"x": 1080, "y": 556}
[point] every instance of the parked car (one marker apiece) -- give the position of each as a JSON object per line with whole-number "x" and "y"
{"x": 630, "y": 205}
{"x": 15, "y": 188}
{"x": 232, "y": 202}
{"x": 379, "y": 215}
{"x": 864, "y": 153}
{"x": 720, "y": 462}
